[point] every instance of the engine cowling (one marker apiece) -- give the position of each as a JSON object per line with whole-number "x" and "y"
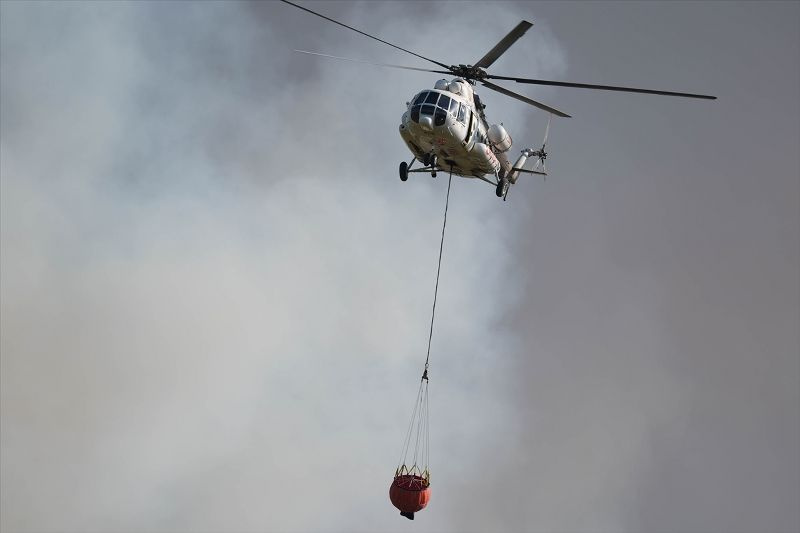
{"x": 485, "y": 157}
{"x": 455, "y": 87}
{"x": 499, "y": 138}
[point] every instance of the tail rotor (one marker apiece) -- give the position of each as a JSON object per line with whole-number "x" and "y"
{"x": 518, "y": 167}
{"x": 541, "y": 154}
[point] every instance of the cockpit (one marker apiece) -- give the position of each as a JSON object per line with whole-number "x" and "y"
{"x": 437, "y": 105}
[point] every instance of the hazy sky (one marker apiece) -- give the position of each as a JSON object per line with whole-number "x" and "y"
{"x": 215, "y": 290}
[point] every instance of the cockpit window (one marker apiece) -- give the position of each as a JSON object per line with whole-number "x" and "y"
{"x": 436, "y": 105}
{"x": 440, "y": 117}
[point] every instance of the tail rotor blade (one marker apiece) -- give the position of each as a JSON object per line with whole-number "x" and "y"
{"x": 547, "y": 130}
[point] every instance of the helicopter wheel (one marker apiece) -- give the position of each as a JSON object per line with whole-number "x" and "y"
{"x": 403, "y": 171}
{"x": 502, "y": 187}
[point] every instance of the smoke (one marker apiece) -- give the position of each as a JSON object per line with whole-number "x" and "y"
{"x": 215, "y": 290}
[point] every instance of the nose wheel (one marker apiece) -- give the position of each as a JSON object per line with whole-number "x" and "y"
{"x": 430, "y": 161}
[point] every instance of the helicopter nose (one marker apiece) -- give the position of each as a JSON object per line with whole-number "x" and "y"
{"x": 426, "y": 123}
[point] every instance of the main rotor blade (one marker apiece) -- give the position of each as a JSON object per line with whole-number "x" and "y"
{"x": 366, "y": 34}
{"x": 598, "y": 87}
{"x": 504, "y": 44}
{"x": 371, "y": 63}
{"x": 525, "y": 99}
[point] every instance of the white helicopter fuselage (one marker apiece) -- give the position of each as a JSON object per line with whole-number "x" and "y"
{"x": 444, "y": 122}
{"x": 445, "y": 128}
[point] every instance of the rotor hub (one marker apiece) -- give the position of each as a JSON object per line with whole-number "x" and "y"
{"x": 469, "y": 72}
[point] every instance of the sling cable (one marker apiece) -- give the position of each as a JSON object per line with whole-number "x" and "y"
{"x": 410, "y": 490}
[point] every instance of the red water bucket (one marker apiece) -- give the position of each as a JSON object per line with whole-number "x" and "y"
{"x": 410, "y": 494}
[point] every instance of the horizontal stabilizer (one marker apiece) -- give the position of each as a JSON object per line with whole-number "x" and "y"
{"x": 529, "y": 171}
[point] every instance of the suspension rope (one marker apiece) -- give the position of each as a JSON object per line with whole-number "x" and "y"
{"x": 407, "y": 441}
{"x": 420, "y": 416}
{"x": 427, "y": 450}
{"x": 438, "y": 271}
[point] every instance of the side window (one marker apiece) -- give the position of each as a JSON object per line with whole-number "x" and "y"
{"x": 454, "y": 107}
{"x": 462, "y": 111}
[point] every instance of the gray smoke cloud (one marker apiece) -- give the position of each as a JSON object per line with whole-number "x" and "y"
{"x": 216, "y": 291}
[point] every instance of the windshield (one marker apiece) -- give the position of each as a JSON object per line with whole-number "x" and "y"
{"x": 437, "y": 105}
{"x": 420, "y": 97}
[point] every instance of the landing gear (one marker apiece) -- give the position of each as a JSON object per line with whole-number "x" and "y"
{"x": 502, "y": 188}
{"x": 430, "y": 160}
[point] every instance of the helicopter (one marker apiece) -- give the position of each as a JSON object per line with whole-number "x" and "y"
{"x": 446, "y": 128}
